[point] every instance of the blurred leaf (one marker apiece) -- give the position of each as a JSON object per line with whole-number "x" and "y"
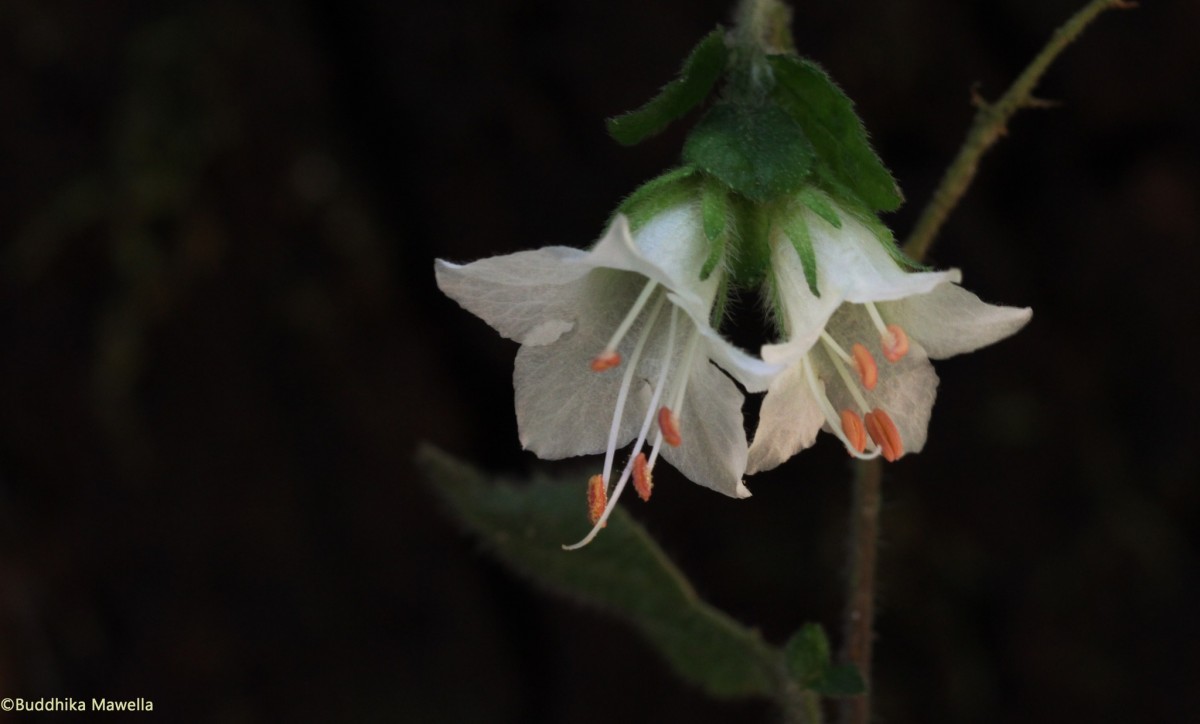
{"x": 838, "y": 681}
{"x": 807, "y": 653}
{"x": 757, "y": 150}
{"x": 700, "y": 72}
{"x": 829, "y": 121}
{"x": 622, "y": 572}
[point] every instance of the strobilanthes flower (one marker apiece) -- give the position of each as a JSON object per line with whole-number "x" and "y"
{"x": 616, "y": 345}
{"x": 857, "y": 355}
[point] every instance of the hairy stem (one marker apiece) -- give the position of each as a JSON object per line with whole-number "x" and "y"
{"x": 990, "y": 125}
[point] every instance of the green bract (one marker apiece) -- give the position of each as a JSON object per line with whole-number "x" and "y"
{"x": 700, "y": 72}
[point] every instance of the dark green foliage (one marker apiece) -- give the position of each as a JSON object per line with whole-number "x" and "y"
{"x": 808, "y": 662}
{"x": 700, "y": 72}
{"x": 830, "y": 123}
{"x": 758, "y": 151}
{"x": 622, "y": 572}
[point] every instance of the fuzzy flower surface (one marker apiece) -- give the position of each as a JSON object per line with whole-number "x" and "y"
{"x": 857, "y": 357}
{"x": 617, "y": 345}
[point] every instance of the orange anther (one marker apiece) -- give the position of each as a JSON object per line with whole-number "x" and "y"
{"x": 597, "y": 498}
{"x": 606, "y": 360}
{"x": 852, "y": 426}
{"x": 668, "y": 422}
{"x": 865, "y": 364}
{"x": 642, "y": 480}
{"x": 883, "y": 431}
{"x": 895, "y": 343}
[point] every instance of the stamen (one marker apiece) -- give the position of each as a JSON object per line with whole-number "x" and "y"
{"x": 609, "y": 358}
{"x": 668, "y": 422}
{"x": 831, "y": 418}
{"x": 606, "y": 360}
{"x": 883, "y": 431}
{"x": 864, "y": 363}
{"x": 852, "y": 426}
{"x": 895, "y": 344}
{"x": 626, "y": 381}
{"x": 597, "y": 498}
{"x": 850, "y": 384}
{"x": 643, "y": 482}
{"x": 891, "y": 336}
{"x": 682, "y": 377}
{"x": 646, "y": 421}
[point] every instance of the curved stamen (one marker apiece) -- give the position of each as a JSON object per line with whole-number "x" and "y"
{"x": 852, "y": 425}
{"x": 659, "y": 386}
{"x": 643, "y": 481}
{"x": 668, "y": 422}
{"x": 831, "y": 418}
{"x": 858, "y": 357}
{"x": 615, "y": 428}
{"x": 609, "y": 357}
{"x": 596, "y": 498}
{"x": 683, "y": 378}
{"x": 850, "y": 385}
{"x": 891, "y": 336}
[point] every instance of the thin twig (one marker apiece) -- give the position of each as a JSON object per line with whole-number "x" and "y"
{"x": 989, "y": 126}
{"x": 991, "y": 122}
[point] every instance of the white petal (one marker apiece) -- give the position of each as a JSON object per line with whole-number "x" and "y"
{"x": 950, "y": 320}
{"x": 856, "y": 267}
{"x": 788, "y": 423}
{"x": 713, "y": 452}
{"x": 671, "y": 249}
{"x": 804, "y": 315}
{"x": 530, "y": 296}
{"x": 906, "y": 389}
{"x": 563, "y": 407}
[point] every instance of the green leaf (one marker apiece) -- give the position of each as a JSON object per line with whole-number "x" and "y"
{"x": 828, "y": 118}
{"x": 758, "y": 151}
{"x": 714, "y": 210}
{"x": 815, "y": 201}
{"x": 807, "y": 653}
{"x": 700, "y": 72}
{"x": 796, "y": 230}
{"x": 657, "y": 195}
{"x": 843, "y": 680}
{"x": 622, "y": 572}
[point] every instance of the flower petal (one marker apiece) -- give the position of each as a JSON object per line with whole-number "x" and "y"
{"x": 714, "y": 448}
{"x": 530, "y": 296}
{"x": 563, "y": 407}
{"x": 853, "y": 264}
{"x": 788, "y": 423}
{"x": 950, "y": 320}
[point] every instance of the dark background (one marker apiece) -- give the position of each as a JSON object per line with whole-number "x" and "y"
{"x": 220, "y": 343}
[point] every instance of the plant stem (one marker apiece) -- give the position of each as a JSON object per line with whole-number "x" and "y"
{"x": 860, "y": 594}
{"x": 990, "y": 125}
{"x": 764, "y": 25}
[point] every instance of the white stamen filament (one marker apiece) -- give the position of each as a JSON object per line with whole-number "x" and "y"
{"x": 630, "y": 317}
{"x": 877, "y": 320}
{"x": 836, "y": 348}
{"x": 851, "y": 384}
{"x": 831, "y": 417}
{"x": 685, "y": 370}
{"x": 641, "y": 440}
{"x": 626, "y": 380}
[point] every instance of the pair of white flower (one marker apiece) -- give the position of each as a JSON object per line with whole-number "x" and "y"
{"x": 616, "y": 345}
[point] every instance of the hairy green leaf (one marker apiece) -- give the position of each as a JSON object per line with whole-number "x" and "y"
{"x": 828, "y": 118}
{"x": 622, "y": 572}
{"x": 815, "y": 201}
{"x": 796, "y": 230}
{"x": 700, "y": 72}
{"x": 714, "y": 210}
{"x": 758, "y": 151}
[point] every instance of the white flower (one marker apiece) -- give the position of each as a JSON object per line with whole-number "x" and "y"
{"x": 868, "y": 309}
{"x": 615, "y": 342}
